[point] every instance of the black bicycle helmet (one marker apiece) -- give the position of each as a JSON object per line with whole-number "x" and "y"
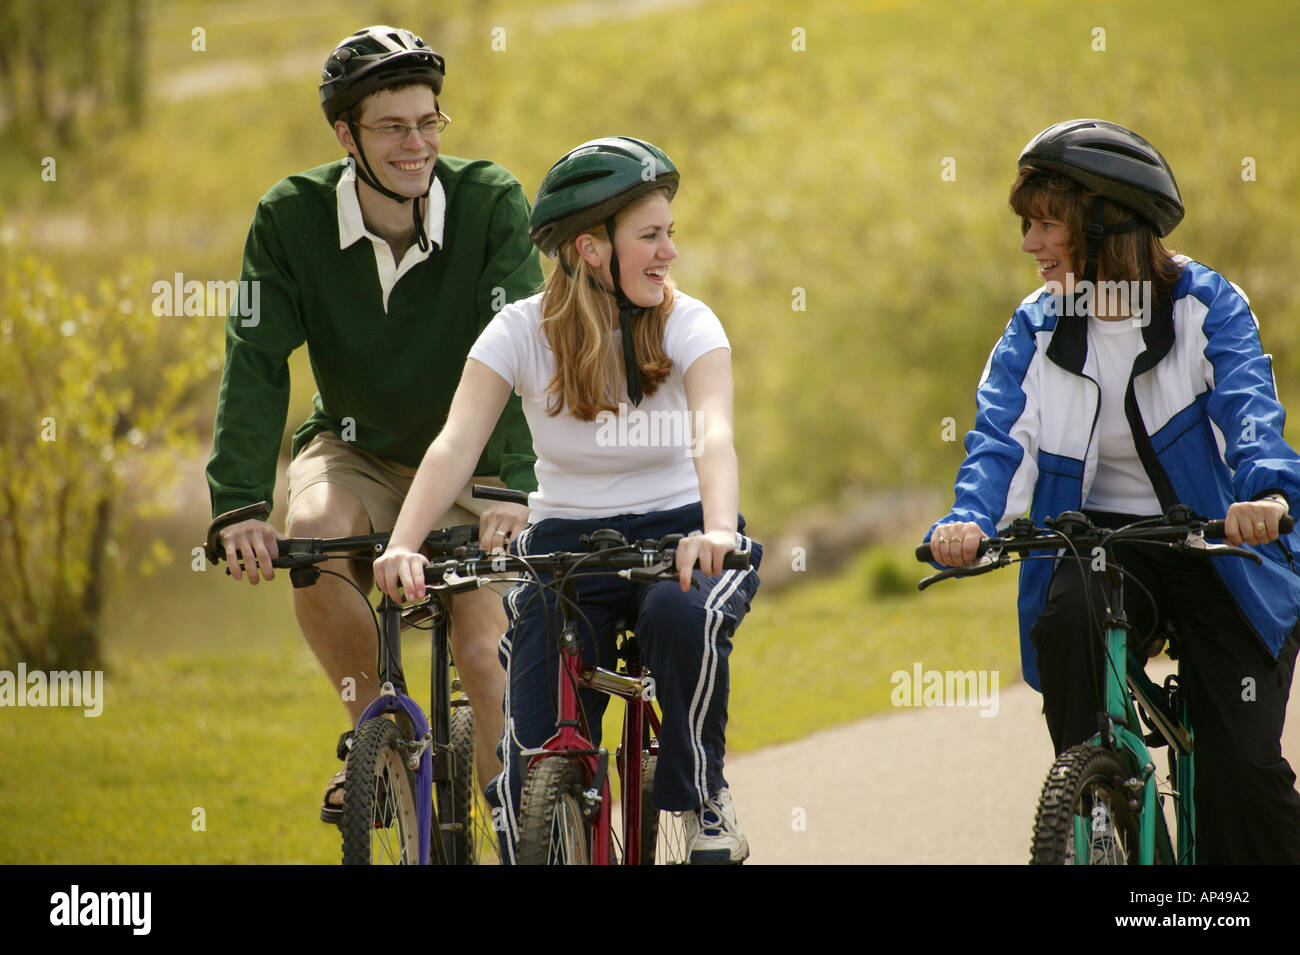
{"x": 1113, "y": 162}
{"x": 586, "y": 187}
{"x": 1116, "y": 164}
{"x": 373, "y": 59}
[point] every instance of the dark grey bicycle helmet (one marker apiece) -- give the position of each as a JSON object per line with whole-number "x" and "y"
{"x": 1113, "y": 162}
{"x": 378, "y": 58}
{"x": 1118, "y": 165}
{"x": 374, "y": 59}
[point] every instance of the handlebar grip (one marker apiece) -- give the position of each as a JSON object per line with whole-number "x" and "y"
{"x": 489, "y": 493}
{"x": 1214, "y": 529}
{"x": 735, "y": 561}
{"x": 212, "y": 545}
{"x": 925, "y": 556}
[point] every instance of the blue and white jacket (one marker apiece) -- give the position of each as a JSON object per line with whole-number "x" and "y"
{"x": 1206, "y": 421}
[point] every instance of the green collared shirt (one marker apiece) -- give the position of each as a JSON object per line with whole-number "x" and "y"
{"x": 387, "y": 340}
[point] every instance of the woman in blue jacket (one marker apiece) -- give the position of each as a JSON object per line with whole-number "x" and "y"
{"x": 1143, "y": 386}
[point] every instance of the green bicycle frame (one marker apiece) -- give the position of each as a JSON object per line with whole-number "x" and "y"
{"x": 1125, "y": 671}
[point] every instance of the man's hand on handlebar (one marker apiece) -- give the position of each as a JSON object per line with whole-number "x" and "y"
{"x": 500, "y": 524}
{"x": 255, "y": 543}
{"x": 955, "y": 545}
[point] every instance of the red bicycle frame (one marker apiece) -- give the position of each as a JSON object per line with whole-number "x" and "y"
{"x": 637, "y": 689}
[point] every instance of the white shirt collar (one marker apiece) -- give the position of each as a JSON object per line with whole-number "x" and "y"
{"x": 352, "y": 228}
{"x": 351, "y": 225}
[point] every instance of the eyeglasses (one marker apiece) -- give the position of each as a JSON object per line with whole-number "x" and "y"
{"x": 396, "y": 132}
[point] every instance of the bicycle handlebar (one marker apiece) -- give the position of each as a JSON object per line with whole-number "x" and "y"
{"x": 461, "y": 556}
{"x": 1037, "y": 538}
{"x": 301, "y": 551}
{"x": 489, "y": 493}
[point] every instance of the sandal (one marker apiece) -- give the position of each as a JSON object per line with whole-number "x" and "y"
{"x": 331, "y": 807}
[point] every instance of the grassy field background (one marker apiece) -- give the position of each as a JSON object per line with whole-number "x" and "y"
{"x": 814, "y": 170}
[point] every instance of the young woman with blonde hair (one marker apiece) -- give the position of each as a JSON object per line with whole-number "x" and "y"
{"x": 611, "y": 340}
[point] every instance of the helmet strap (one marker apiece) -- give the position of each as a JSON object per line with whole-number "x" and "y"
{"x": 368, "y": 176}
{"x": 626, "y": 311}
{"x": 1093, "y": 233}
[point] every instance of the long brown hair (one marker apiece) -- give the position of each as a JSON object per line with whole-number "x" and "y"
{"x": 1138, "y": 255}
{"x": 578, "y": 320}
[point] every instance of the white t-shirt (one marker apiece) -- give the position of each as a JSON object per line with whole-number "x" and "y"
{"x": 639, "y": 460}
{"x": 1121, "y": 483}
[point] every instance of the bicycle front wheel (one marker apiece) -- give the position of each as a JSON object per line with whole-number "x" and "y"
{"x": 663, "y": 834}
{"x": 380, "y": 823}
{"x": 1084, "y": 816}
{"x": 552, "y": 829}
{"x": 475, "y": 840}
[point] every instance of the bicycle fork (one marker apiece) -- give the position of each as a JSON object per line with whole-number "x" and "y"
{"x": 394, "y": 699}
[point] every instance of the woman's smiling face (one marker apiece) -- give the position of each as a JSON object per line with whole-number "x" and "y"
{"x": 1048, "y": 241}
{"x": 643, "y": 236}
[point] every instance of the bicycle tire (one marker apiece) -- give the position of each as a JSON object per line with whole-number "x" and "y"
{"x": 1085, "y": 783}
{"x": 552, "y": 829}
{"x": 663, "y": 834}
{"x": 380, "y": 819}
{"x": 476, "y": 841}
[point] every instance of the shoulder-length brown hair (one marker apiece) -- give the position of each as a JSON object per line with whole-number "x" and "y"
{"x": 1138, "y": 255}
{"x": 579, "y": 319}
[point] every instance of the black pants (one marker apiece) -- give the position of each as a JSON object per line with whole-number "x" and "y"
{"x": 1247, "y": 808}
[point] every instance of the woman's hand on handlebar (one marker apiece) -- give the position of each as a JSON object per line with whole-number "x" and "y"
{"x": 708, "y": 549}
{"x": 956, "y": 544}
{"x": 399, "y": 574}
{"x": 1252, "y": 522}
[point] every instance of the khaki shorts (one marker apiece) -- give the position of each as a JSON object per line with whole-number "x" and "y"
{"x": 381, "y": 485}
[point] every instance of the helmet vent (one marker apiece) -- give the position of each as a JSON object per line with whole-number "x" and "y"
{"x": 1131, "y": 154}
{"x": 583, "y": 179}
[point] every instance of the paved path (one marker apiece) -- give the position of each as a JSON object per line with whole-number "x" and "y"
{"x": 913, "y": 786}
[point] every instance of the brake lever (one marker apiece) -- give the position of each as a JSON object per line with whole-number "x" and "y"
{"x": 989, "y": 561}
{"x": 655, "y": 573}
{"x": 1196, "y": 543}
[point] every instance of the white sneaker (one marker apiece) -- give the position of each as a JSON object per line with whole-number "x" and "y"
{"x": 713, "y": 836}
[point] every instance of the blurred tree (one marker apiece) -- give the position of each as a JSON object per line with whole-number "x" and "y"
{"x": 61, "y": 62}
{"x": 97, "y": 404}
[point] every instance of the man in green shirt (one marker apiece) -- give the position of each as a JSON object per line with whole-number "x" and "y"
{"x": 387, "y": 265}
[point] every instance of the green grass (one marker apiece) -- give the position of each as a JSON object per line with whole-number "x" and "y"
{"x": 246, "y": 732}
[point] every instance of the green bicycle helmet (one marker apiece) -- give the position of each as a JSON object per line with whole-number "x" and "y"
{"x": 592, "y": 182}
{"x": 588, "y": 186}
{"x": 378, "y": 58}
